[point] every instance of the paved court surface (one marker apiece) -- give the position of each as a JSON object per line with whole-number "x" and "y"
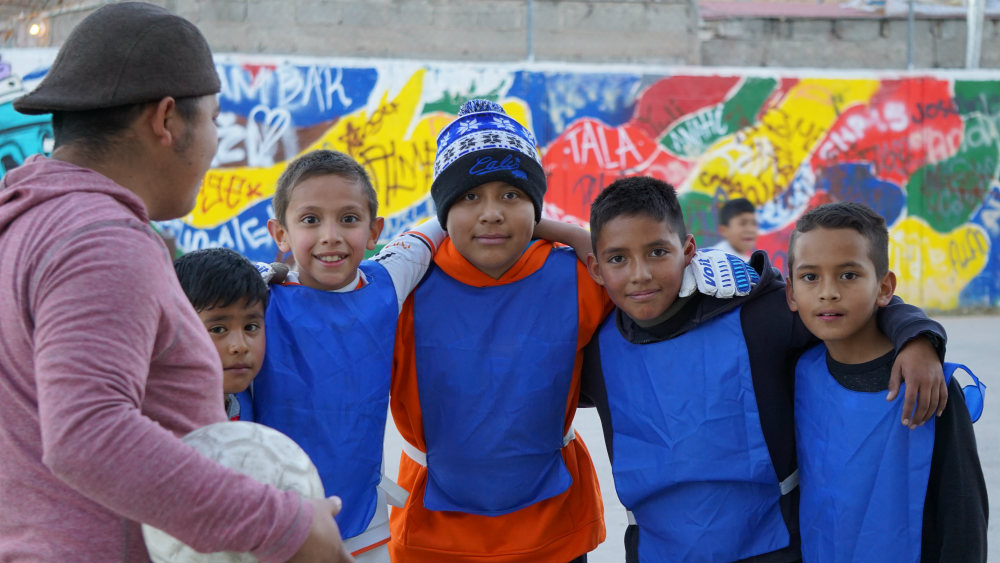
{"x": 973, "y": 341}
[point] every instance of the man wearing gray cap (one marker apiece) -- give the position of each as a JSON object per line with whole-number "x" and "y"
{"x": 103, "y": 364}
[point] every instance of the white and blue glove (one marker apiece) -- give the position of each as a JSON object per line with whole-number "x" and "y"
{"x": 273, "y": 273}
{"x": 715, "y": 273}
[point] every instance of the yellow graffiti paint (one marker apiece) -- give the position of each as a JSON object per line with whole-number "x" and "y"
{"x": 225, "y": 192}
{"x": 395, "y": 147}
{"x": 400, "y": 166}
{"x": 933, "y": 268}
{"x": 760, "y": 161}
{"x": 400, "y": 161}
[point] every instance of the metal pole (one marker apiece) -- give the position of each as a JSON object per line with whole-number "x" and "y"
{"x": 909, "y": 37}
{"x": 973, "y": 33}
{"x": 531, "y": 30}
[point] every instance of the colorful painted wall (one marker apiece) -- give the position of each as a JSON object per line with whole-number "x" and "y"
{"x": 923, "y": 150}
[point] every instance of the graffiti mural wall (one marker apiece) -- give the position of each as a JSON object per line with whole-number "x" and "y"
{"x": 923, "y": 150}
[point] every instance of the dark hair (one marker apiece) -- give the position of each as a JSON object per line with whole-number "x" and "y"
{"x": 633, "y": 196}
{"x": 319, "y": 163}
{"x": 95, "y": 130}
{"x": 847, "y": 215}
{"x": 219, "y": 277}
{"x": 734, "y": 207}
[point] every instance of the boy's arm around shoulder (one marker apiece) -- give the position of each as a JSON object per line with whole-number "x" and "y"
{"x": 565, "y": 233}
{"x": 956, "y": 508}
{"x": 920, "y": 343}
{"x": 408, "y": 256}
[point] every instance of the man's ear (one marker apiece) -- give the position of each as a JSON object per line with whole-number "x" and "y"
{"x": 593, "y": 268}
{"x": 886, "y": 288}
{"x": 790, "y": 295}
{"x": 375, "y": 231}
{"x": 164, "y": 122}
{"x": 279, "y": 234}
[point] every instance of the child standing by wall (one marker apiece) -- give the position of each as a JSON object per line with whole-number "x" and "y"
{"x": 871, "y": 491}
{"x": 738, "y": 227}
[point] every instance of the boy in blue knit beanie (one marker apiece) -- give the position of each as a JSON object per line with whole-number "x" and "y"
{"x": 486, "y": 376}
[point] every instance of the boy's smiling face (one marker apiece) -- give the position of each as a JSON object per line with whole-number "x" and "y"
{"x": 237, "y": 331}
{"x": 836, "y": 291}
{"x": 328, "y": 227}
{"x": 640, "y": 262}
{"x": 491, "y": 225}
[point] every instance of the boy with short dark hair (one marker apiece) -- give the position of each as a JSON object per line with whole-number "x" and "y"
{"x": 331, "y": 327}
{"x": 870, "y": 490}
{"x": 230, "y": 297}
{"x": 738, "y": 227}
{"x": 695, "y": 394}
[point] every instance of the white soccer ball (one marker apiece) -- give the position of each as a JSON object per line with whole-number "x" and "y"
{"x": 252, "y": 449}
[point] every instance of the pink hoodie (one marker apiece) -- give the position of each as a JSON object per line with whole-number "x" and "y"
{"x": 103, "y": 365}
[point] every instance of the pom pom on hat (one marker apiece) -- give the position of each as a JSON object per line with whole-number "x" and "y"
{"x": 484, "y": 144}
{"x": 479, "y": 105}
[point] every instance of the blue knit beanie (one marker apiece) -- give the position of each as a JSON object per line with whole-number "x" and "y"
{"x": 484, "y": 145}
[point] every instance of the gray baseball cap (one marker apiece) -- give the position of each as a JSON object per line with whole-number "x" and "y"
{"x": 123, "y": 54}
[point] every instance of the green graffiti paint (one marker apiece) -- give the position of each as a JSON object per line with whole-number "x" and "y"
{"x": 946, "y": 193}
{"x": 691, "y": 136}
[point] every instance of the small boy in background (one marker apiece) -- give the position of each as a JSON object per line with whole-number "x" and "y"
{"x": 871, "y": 490}
{"x": 695, "y": 393}
{"x": 331, "y": 327}
{"x": 230, "y": 297}
{"x": 738, "y": 227}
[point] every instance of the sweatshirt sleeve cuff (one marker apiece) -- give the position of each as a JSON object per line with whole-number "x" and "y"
{"x": 292, "y": 539}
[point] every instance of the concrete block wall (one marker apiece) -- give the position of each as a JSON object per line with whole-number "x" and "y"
{"x": 665, "y": 32}
{"x": 849, "y": 43}
{"x": 621, "y": 31}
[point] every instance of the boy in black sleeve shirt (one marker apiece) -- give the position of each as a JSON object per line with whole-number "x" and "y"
{"x": 870, "y": 490}
{"x": 695, "y": 394}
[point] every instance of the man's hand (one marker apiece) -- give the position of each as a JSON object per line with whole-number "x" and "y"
{"x": 919, "y": 365}
{"x": 323, "y": 542}
{"x": 718, "y": 274}
{"x": 273, "y": 273}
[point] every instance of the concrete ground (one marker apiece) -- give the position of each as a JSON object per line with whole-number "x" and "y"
{"x": 972, "y": 340}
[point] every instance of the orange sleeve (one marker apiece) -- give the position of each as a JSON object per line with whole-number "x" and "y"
{"x": 595, "y": 305}
{"x": 404, "y": 401}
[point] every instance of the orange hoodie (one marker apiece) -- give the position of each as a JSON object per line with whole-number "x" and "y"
{"x": 557, "y": 529}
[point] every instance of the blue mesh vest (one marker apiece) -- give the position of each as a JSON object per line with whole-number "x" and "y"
{"x": 862, "y": 475}
{"x": 690, "y": 460}
{"x": 325, "y": 383}
{"x": 494, "y": 368}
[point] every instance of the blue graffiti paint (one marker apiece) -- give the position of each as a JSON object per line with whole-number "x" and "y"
{"x": 406, "y": 219}
{"x": 855, "y": 182}
{"x": 787, "y": 206}
{"x": 984, "y": 289}
{"x": 311, "y": 93}
{"x": 558, "y": 99}
{"x": 20, "y": 135}
{"x": 246, "y": 233}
